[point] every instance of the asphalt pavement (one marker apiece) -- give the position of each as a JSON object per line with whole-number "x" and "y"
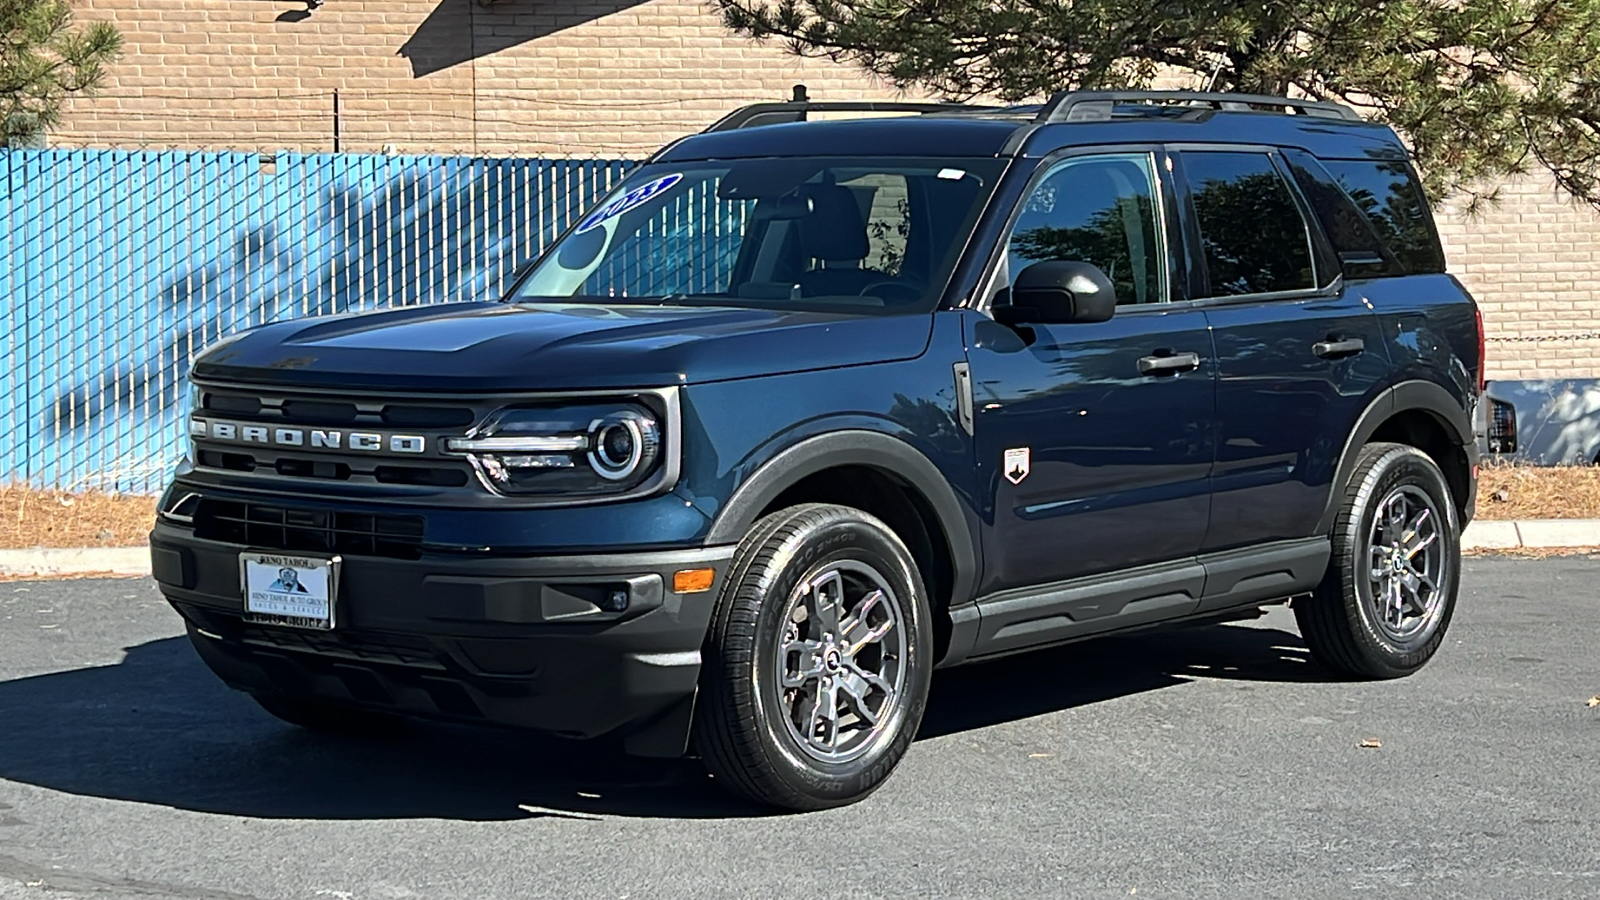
{"x": 1205, "y": 762}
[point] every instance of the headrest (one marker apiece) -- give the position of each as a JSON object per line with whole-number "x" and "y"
{"x": 834, "y": 229}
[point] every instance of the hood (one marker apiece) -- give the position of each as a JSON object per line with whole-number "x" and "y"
{"x": 535, "y": 347}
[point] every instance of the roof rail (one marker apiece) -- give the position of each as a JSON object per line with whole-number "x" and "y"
{"x": 758, "y": 114}
{"x": 1099, "y": 106}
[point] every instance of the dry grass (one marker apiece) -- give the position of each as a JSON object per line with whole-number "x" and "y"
{"x": 1534, "y": 552}
{"x": 35, "y": 518}
{"x": 9, "y": 578}
{"x": 1539, "y": 492}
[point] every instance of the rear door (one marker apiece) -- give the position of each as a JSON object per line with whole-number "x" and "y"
{"x": 1299, "y": 350}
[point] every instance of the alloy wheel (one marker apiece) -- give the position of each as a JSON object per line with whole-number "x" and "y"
{"x": 841, "y": 660}
{"x": 1406, "y": 564}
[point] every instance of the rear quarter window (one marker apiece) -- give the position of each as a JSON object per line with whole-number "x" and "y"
{"x": 1361, "y": 252}
{"x": 1393, "y": 202}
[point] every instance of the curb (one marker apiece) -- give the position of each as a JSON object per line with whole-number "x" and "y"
{"x": 1530, "y": 534}
{"x": 1483, "y": 534}
{"x": 76, "y": 561}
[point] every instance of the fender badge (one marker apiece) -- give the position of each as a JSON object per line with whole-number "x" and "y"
{"x": 1016, "y": 467}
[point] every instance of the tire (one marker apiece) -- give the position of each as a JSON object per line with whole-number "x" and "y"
{"x": 328, "y": 718}
{"x": 776, "y": 743}
{"x": 1375, "y": 614}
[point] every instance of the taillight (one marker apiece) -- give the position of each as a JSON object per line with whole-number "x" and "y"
{"x": 1483, "y": 360}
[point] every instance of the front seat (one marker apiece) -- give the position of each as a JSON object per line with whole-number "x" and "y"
{"x": 834, "y": 237}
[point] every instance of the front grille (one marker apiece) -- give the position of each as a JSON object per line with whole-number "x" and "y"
{"x": 270, "y": 527}
{"x": 451, "y": 475}
{"x": 308, "y": 410}
{"x": 433, "y": 419}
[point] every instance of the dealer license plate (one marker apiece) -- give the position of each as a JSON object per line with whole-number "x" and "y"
{"x": 296, "y": 591}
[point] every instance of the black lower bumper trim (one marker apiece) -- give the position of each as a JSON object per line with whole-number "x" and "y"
{"x": 519, "y": 641}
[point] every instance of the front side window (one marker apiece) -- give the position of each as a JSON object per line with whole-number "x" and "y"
{"x": 1100, "y": 210}
{"x": 865, "y": 234}
{"x": 1254, "y": 238}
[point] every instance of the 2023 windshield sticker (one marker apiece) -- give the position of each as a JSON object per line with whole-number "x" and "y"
{"x": 634, "y": 198}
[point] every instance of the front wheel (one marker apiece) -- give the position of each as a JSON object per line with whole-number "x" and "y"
{"x": 1390, "y": 591}
{"x": 817, "y": 664}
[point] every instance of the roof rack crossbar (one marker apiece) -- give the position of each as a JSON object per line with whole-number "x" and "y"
{"x": 1099, "y": 106}
{"x": 758, "y": 114}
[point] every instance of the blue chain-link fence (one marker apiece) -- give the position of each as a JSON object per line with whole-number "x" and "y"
{"x": 120, "y": 265}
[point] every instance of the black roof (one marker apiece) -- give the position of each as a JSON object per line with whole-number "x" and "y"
{"x": 1068, "y": 119}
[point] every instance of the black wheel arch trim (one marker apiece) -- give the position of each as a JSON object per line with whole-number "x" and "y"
{"x": 871, "y": 449}
{"x": 1407, "y": 395}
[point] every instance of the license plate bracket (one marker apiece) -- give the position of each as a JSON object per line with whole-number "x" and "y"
{"x": 289, "y": 590}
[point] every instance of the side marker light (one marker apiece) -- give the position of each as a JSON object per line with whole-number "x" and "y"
{"x": 693, "y": 581}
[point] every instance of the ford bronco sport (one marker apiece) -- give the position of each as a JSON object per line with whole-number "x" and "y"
{"x": 805, "y": 409}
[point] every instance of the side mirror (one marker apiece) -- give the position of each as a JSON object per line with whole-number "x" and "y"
{"x": 1057, "y": 292}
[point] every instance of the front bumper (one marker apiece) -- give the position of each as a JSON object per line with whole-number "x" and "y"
{"x": 518, "y": 641}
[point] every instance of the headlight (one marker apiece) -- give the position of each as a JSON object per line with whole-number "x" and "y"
{"x": 567, "y": 451}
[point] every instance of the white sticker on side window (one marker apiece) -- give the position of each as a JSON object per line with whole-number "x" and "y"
{"x": 636, "y": 197}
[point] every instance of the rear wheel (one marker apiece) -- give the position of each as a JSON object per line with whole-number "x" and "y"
{"x": 1384, "y": 605}
{"x": 327, "y": 718}
{"x": 817, "y": 663}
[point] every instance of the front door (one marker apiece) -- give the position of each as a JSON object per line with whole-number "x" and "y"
{"x": 1094, "y": 441}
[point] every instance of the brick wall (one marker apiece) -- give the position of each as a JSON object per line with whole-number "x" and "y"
{"x": 1533, "y": 263}
{"x": 526, "y": 77}
{"x": 606, "y": 78}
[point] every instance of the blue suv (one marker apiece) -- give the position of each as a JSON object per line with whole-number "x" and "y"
{"x": 805, "y": 409}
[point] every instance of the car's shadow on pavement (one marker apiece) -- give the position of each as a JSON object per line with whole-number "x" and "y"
{"x": 159, "y": 728}
{"x": 1045, "y": 681}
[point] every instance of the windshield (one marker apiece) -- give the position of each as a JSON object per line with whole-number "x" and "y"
{"x": 864, "y": 233}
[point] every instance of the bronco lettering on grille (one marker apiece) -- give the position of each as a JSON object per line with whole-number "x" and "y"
{"x": 317, "y": 439}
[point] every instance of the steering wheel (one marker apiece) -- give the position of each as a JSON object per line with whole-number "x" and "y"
{"x": 893, "y": 290}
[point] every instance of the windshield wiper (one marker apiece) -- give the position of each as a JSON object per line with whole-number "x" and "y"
{"x": 696, "y": 300}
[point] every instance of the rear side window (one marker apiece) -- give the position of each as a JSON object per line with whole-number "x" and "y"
{"x": 1255, "y": 240}
{"x": 1386, "y": 191}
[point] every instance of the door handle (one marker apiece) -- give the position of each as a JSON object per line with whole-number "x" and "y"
{"x": 1170, "y": 364}
{"x": 1338, "y": 349}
